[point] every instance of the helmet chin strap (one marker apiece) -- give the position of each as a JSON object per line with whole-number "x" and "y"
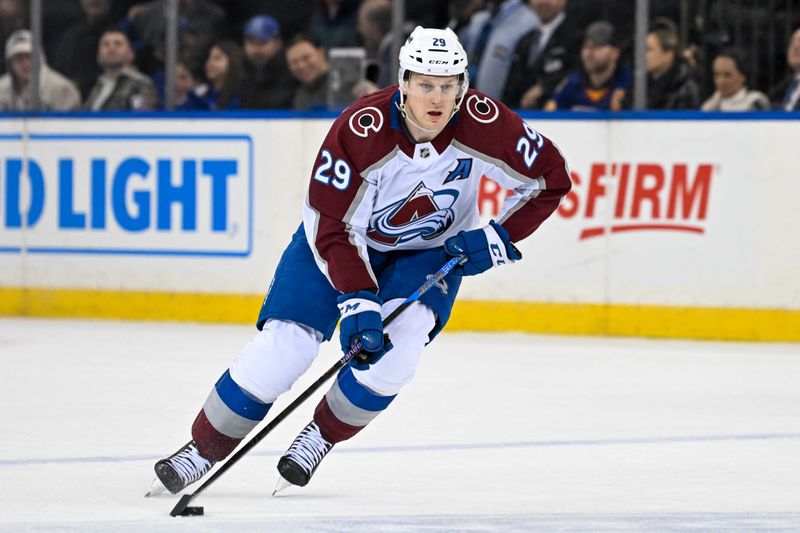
{"x": 406, "y": 116}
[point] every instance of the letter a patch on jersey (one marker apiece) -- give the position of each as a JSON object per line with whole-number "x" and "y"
{"x": 461, "y": 172}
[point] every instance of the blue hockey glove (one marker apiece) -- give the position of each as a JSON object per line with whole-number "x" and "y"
{"x": 484, "y": 248}
{"x": 361, "y": 321}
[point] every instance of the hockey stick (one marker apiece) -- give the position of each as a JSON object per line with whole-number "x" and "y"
{"x": 182, "y": 509}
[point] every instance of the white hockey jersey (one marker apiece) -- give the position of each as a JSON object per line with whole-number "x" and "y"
{"x": 374, "y": 187}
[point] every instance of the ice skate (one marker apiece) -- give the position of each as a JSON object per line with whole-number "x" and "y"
{"x": 182, "y": 468}
{"x": 156, "y": 489}
{"x": 303, "y": 457}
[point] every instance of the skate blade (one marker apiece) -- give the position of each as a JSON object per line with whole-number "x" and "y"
{"x": 281, "y": 485}
{"x": 156, "y": 489}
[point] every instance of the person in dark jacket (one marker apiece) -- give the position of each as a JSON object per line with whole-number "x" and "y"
{"x": 202, "y": 21}
{"x": 79, "y": 41}
{"x": 543, "y": 57}
{"x": 267, "y": 82}
{"x": 670, "y": 82}
{"x": 309, "y": 66}
{"x": 602, "y": 81}
{"x": 332, "y": 23}
{"x": 786, "y": 95}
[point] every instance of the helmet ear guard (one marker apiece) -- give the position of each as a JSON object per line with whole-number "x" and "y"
{"x": 433, "y": 52}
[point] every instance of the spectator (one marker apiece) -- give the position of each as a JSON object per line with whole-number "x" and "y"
{"x": 79, "y": 41}
{"x": 56, "y": 92}
{"x": 670, "y": 81}
{"x": 224, "y": 68}
{"x": 332, "y": 23}
{"x": 13, "y": 17}
{"x": 602, "y": 82}
{"x": 374, "y": 27}
{"x": 153, "y": 64}
{"x": 787, "y": 93}
{"x": 187, "y": 83}
{"x": 543, "y": 57}
{"x": 293, "y": 16}
{"x": 56, "y": 18}
{"x": 375, "y": 18}
{"x": 730, "y": 81}
{"x": 120, "y": 87}
{"x": 386, "y": 55}
{"x": 490, "y": 40}
{"x": 200, "y": 21}
{"x": 461, "y": 11}
{"x": 373, "y": 24}
{"x": 309, "y": 66}
{"x": 267, "y": 82}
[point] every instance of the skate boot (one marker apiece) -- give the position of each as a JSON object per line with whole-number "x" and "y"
{"x": 304, "y": 455}
{"x": 182, "y": 468}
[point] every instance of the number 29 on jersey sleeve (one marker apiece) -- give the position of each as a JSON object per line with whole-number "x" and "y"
{"x": 339, "y": 178}
{"x": 529, "y": 145}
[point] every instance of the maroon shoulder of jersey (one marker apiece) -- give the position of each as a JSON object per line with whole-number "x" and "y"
{"x": 360, "y": 137}
{"x": 497, "y": 134}
{"x": 363, "y": 131}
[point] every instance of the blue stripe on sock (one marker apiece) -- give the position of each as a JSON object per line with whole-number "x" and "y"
{"x": 238, "y": 400}
{"x": 359, "y": 395}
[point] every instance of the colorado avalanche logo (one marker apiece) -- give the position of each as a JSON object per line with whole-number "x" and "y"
{"x": 423, "y": 214}
{"x": 364, "y": 120}
{"x": 482, "y": 109}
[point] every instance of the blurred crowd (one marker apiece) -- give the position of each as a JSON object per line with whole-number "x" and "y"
{"x": 278, "y": 54}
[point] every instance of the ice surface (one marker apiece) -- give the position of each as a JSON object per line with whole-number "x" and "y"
{"x": 500, "y": 432}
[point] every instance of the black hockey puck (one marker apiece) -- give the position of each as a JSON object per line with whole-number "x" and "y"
{"x": 184, "y": 509}
{"x": 193, "y": 511}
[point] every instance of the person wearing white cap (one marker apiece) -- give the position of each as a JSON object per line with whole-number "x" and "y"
{"x": 56, "y": 93}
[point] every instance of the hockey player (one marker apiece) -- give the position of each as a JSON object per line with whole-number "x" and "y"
{"x": 393, "y": 196}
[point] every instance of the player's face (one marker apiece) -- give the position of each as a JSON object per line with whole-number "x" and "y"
{"x": 727, "y": 78}
{"x": 793, "y": 53}
{"x": 430, "y": 99}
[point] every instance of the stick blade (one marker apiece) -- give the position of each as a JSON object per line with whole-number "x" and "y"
{"x": 180, "y": 507}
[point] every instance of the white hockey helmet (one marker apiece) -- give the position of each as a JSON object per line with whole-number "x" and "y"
{"x": 432, "y": 51}
{"x": 437, "y": 53}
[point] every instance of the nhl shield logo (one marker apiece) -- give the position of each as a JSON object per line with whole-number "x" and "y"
{"x": 425, "y": 152}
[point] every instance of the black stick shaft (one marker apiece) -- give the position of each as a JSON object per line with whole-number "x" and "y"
{"x": 258, "y": 437}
